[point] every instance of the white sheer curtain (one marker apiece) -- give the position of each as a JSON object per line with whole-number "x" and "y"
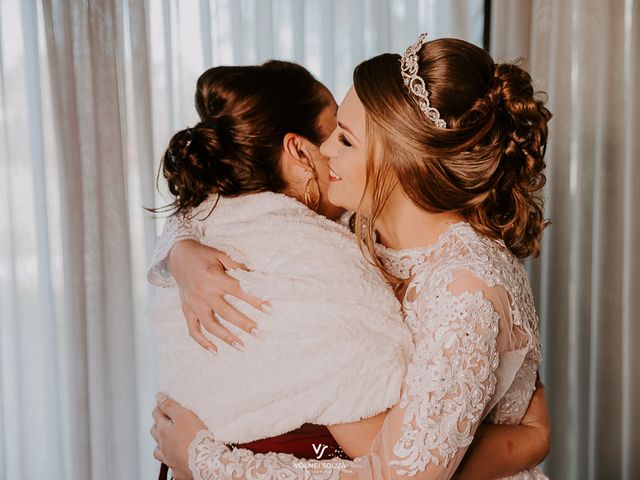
{"x": 586, "y": 55}
{"x": 90, "y": 92}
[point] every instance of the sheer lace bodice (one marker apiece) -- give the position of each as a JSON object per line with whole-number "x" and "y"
{"x": 469, "y": 306}
{"x": 462, "y": 257}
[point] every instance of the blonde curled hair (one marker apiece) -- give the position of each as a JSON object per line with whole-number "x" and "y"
{"x": 487, "y": 165}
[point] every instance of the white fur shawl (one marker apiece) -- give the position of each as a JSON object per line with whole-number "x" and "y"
{"x": 335, "y": 346}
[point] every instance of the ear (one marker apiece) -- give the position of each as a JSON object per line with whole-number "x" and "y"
{"x": 294, "y": 149}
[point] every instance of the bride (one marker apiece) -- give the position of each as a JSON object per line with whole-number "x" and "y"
{"x": 456, "y": 152}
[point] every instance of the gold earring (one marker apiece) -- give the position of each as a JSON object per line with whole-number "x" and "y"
{"x": 312, "y": 203}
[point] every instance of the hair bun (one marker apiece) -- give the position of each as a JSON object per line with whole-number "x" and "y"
{"x": 190, "y": 165}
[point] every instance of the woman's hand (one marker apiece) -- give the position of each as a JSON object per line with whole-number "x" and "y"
{"x": 200, "y": 272}
{"x": 173, "y": 430}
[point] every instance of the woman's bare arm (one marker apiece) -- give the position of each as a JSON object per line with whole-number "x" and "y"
{"x": 502, "y": 450}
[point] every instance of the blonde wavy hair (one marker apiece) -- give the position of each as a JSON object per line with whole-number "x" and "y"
{"x": 487, "y": 165}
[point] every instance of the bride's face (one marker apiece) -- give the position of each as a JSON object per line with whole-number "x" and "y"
{"x": 346, "y": 150}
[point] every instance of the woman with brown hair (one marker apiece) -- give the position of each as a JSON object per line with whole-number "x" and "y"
{"x": 250, "y": 182}
{"x": 441, "y": 156}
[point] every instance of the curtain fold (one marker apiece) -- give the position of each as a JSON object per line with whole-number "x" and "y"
{"x": 99, "y": 333}
{"x": 584, "y": 54}
{"x": 73, "y": 373}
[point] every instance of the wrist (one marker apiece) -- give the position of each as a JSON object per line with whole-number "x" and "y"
{"x": 175, "y": 252}
{"x": 204, "y": 455}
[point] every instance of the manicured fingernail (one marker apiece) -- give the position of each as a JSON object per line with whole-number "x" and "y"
{"x": 238, "y": 346}
{"x": 212, "y": 351}
{"x": 257, "y": 333}
{"x": 265, "y": 307}
{"x": 160, "y": 397}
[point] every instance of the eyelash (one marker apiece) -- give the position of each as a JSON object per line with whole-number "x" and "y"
{"x": 343, "y": 140}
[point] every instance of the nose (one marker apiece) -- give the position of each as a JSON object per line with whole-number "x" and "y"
{"x": 328, "y": 147}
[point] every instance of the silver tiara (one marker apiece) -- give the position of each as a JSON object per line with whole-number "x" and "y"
{"x": 416, "y": 85}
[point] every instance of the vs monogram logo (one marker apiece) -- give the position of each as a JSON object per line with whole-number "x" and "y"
{"x": 319, "y": 449}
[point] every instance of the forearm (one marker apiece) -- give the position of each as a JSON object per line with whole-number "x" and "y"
{"x": 501, "y": 451}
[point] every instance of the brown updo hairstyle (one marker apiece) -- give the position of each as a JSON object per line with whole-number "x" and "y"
{"x": 487, "y": 165}
{"x": 245, "y": 112}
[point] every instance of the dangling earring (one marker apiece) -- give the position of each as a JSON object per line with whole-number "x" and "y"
{"x": 309, "y": 200}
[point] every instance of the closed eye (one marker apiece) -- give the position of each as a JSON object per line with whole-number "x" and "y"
{"x": 343, "y": 140}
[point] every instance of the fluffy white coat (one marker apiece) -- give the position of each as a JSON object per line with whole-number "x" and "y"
{"x": 335, "y": 347}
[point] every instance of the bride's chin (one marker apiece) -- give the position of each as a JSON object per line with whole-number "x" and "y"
{"x": 336, "y": 197}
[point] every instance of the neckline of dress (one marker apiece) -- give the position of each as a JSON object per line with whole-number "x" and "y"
{"x": 422, "y": 252}
{"x": 432, "y": 246}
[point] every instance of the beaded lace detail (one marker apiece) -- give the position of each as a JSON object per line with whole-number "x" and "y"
{"x": 202, "y": 454}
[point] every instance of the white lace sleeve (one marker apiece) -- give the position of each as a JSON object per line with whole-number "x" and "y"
{"x": 177, "y": 227}
{"x": 447, "y": 389}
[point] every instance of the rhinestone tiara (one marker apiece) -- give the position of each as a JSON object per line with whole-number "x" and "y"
{"x": 416, "y": 85}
